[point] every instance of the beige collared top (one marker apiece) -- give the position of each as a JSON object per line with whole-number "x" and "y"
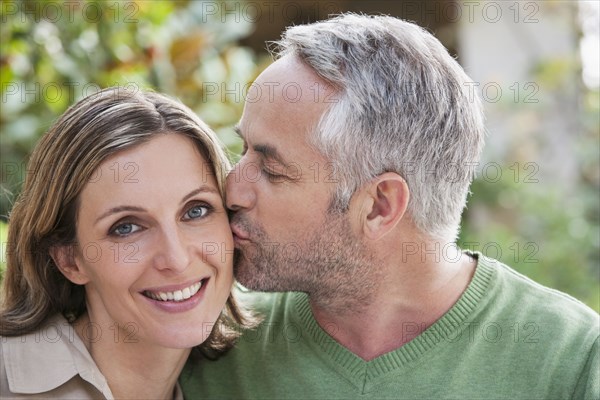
{"x": 51, "y": 363}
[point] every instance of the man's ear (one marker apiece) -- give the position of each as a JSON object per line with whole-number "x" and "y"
{"x": 65, "y": 259}
{"x": 386, "y": 201}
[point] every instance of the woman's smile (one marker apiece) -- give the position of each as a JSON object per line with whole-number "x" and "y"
{"x": 179, "y": 300}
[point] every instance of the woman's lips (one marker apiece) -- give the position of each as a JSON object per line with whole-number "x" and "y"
{"x": 180, "y": 300}
{"x": 178, "y": 294}
{"x": 175, "y": 286}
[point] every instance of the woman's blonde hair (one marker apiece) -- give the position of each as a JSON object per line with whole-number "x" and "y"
{"x": 44, "y": 214}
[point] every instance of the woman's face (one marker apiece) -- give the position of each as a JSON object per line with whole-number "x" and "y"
{"x": 154, "y": 247}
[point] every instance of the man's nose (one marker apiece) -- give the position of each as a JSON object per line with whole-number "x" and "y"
{"x": 240, "y": 187}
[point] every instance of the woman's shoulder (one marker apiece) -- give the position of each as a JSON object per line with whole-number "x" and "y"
{"x": 50, "y": 362}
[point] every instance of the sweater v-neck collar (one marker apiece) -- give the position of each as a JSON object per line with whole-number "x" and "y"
{"x": 365, "y": 374}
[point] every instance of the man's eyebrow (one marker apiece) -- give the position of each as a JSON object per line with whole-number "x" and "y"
{"x": 238, "y": 131}
{"x": 270, "y": 152}
{"x": 267, "y": 151}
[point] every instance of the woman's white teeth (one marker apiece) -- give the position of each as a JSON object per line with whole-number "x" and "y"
{"x": 177, "y": 295}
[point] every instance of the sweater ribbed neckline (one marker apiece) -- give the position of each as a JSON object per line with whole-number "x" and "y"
{"x": 444, "y": 330}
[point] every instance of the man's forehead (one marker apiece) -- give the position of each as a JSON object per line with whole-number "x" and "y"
{"x": 271, "y": 139}
{"x": 287, "y": 68}
{"x": 283, "y": 108}
{"x": 289, "y": 81}
{"x": 285, "y": 146}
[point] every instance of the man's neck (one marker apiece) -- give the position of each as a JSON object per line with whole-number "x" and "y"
{"x": 409, "y": 299}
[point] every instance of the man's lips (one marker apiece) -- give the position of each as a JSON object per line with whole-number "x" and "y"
{"x": 238, "y": 233}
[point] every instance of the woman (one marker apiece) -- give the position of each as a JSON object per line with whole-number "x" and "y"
{"x": 119, "y": 254}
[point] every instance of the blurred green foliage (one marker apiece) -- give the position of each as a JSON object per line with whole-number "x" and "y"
{"x": 51, "y": 56}
{"x": 544, "y": 231}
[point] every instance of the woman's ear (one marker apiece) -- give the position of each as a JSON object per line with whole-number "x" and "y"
{"x": 388, "y": 196}
{"x": 65, "y": 260}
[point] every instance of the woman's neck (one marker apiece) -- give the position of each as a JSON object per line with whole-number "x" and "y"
{"x": 132, "y": 368}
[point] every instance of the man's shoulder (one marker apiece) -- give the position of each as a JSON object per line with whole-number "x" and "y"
{"x": 263, "y": 302}
{"x": 526, "y": 298}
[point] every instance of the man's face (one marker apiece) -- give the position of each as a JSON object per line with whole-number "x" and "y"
{"x": 280, "y": 193}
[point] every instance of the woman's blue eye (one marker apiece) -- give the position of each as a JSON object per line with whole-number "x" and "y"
{"x": 196, "y": 212}
{"x": 125, "y": 229}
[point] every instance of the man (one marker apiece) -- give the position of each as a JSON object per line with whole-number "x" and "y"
{"x": 359, "y": 148}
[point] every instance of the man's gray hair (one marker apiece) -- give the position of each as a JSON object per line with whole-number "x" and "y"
{"x": 404, "y": 106}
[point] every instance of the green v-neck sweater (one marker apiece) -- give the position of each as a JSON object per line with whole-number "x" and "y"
{"x": 507, "y": 337}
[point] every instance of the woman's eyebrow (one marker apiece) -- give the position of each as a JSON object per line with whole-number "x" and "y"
{"x": 201, "y": 189}
{"x": 117, "y": 209}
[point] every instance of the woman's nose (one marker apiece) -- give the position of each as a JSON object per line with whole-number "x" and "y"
{"x": 173, "y": 253}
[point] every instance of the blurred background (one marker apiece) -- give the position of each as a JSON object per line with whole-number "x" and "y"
{"x": 535, "y": 204}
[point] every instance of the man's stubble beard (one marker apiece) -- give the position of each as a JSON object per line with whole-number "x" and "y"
{"x": 330, "y": 264}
